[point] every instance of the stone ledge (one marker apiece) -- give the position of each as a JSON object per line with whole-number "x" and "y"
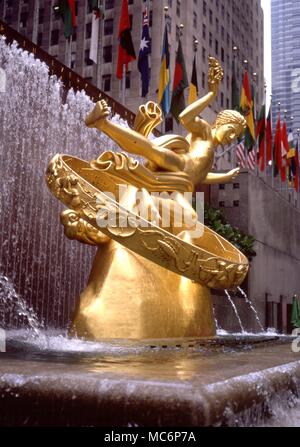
{"x": 38, "y": 393}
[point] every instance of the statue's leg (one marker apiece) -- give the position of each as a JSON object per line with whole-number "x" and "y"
{"x": 135, "y": 143}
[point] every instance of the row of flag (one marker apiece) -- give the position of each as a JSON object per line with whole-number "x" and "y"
{"x": 259, "y": 147}
{"x": 126, "y": 54}
{"x": 67, "y": 11}
{"x": 286, "y": 155}
{"x": 126, "y": 51}
{"x": 175, "y": 103}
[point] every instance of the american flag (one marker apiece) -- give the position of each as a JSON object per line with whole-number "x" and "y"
{"x": 246, "y": 160}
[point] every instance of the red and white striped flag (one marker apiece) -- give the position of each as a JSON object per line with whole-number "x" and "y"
{"x": 240, "y": 155}
{"x": 252, "y": 159}
{"x": 246, "y": 160}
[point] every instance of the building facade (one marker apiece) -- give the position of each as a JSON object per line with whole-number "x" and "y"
{"x": 218, "y": 25}
{"x": 256, "y": 208}
{"x": 286, "y": 60}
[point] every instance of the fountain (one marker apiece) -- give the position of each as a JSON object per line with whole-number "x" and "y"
{"x": 165, "y": 373}
{"x": 154, "y": 280}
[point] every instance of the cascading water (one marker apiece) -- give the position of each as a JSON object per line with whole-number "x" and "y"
{"x": 15, "y": 307}
{"x": 218, "y": 328}
{"x": 37, "y": 120}
{"x": 235, "y": 310}
{"x": 248, "y": 301}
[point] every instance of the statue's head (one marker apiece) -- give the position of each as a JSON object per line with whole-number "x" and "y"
{"x": 228, "y": 126}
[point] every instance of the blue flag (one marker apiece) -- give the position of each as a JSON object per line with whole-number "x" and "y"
{"x": 145, "y": 50}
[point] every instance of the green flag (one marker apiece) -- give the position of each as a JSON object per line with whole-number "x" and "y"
{"x": 235, "y": 94}
{"x": 295, "y": 320}
{"x": 68, "y": 15}
{"x": 180, "y": 84}
{"x": 93, "y": 4}
{"x": 260, "y": 134}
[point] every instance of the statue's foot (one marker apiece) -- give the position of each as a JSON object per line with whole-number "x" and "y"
{"x": 99, "y": 113}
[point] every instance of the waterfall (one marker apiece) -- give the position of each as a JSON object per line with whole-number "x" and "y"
{"x": 248, "y": 301}
{"x": 37, "y": 120}
{"x": 16, "y": 309}
{"x": 235, "y": 310}
{"x": 218, "y": 328}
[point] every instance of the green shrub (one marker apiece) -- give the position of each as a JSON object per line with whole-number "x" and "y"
{"x": 215, "y": 219}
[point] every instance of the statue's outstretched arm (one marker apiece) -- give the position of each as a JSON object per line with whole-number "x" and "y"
{"x": 212, "y": 178}
{"x": 132, "y": 141}
{"x": 190, "y": 114}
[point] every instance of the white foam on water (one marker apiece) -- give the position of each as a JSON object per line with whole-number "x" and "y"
{"x": 13, "y": 304}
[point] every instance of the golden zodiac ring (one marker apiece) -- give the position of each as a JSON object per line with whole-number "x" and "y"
{"x": 213, "y": 262}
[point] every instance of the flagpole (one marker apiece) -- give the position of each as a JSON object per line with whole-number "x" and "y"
{"x": 265, "y": 139}
{"x": 234, "y": 92}
{"x": 297, "y": 160}
{"x": 286, "y": 168}
{"x": 181, "y": 27}
{"x": 231, "y": 147}
{"x": 292, "y": 131}
{"x": 254, "y": 81}
{"x": 287, "y": 186}
{"x": 279, "y": 110}
{"x": 124, "y": 85}
{"x": 148, "y": 12}
{"x": 284, "y": 187}
{"x": 272, "y": 145}
{"x": 196, "y": 43}
{"x": 164, "y": 22}
{"x": 100, "y": 48}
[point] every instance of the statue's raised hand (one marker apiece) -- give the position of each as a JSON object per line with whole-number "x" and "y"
{"x": 100, "y": 112}
{"x": 215, "y": 74}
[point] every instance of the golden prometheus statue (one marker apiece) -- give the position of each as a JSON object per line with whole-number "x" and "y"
{"x": 152, "y": 274}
